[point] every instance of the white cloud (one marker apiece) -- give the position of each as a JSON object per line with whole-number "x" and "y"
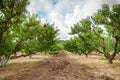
{"x": 74, "y": 17}
{"x": 43, "y": 20}
{"x": 65, "y": 13}
{"x": 58, "y": 19}
{"x": 79, "y": 12}
{"x": 38, "y": 5}
{"x": 86, "y": 9}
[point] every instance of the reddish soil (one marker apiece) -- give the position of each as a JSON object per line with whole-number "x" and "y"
{"x": 58, "y": 67}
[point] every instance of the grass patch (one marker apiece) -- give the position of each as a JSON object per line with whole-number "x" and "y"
{"x": 13, "y": 68}
{"x": 102, "y": 58}
{"x": 19, "y": 64}
{"x": 54, "y": 52}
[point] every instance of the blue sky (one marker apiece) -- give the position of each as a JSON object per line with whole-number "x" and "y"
{"x": 65, "y": 13}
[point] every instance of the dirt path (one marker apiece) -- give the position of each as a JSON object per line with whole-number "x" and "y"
{"x": 58, "y": 67}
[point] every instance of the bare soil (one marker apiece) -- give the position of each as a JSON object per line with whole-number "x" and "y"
{"x": 59, "y": 67}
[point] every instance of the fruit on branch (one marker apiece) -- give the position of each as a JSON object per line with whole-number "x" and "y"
{"x": 11, "y": 5}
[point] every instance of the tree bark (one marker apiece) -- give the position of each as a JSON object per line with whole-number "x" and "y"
{"x": 86, "y": 55}
{"x": 30, "y": 56}
{"x": 3, "y": 60}
{"x": 110, "y": 61}
{"x": 1, "y": 39}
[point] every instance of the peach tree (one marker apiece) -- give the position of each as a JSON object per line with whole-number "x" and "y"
{"x": 84, "y": 33}
{"x": 10, "y": 13}
{"x": 101, "y": 32}
{"x": 110, "y": 19}
{"x": 48, "y": 38}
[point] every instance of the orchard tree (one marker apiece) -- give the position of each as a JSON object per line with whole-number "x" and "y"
{"x": 73, "y": 45}
{"x": 10, "y": 13}
{"x": 26, "y": 35}
{"x": 84, "y": 32}
{"x": 110, "y": 19}
{"x": 101, "y": 32}
{"x": 30, "y": 47}
{"x": 9, "y": 10}
{"x": 48, "y": 38}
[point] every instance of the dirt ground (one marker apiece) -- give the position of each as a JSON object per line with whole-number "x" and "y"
{"x": 68, "y": 67}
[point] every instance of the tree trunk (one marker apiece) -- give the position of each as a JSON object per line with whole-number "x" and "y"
{"x": 79, "y": 53}
{"x": 3, "y": 60}
{"x": 45, "y": 53}
{"x": 110, "y": 61}
{"x": 1, "y": 38}
{"x": 86, "y": 55}
{"x": 30, "y": 56}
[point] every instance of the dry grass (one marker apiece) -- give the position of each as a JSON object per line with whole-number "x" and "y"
{"x": 13, "y": 68}
{"x": 20, "y": 64}
{"x": 99, "y": 67}
{"x": 35, "y": 57}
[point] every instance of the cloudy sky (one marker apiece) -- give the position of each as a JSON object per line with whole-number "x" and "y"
{"x": 65, "y": 13}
